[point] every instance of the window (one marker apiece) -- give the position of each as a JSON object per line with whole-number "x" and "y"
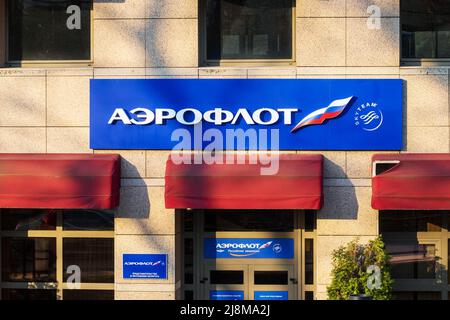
{"x": 39, "y": 248}
{"x": 53, "y": 30}
{"x": 418, "y": 243}
{"x": 249, "y": 29}
{"x": 425, "y": 29}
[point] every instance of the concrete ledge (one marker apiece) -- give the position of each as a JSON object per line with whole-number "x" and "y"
{"x": 152, "y": 287}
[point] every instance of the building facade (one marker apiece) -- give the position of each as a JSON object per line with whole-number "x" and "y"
{"x": 50, "y": 52}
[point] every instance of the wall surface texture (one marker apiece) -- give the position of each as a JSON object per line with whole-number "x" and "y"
{"x": 46, "y": 110}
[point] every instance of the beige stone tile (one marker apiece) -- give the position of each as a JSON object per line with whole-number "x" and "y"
{"x": 172, "y": 9}
{"x": 319, "y": 71}
{"x": 142, "y": 211}
{"x": 119, "y": 43}
{"x": 146, "y": 295}
{"x": 314, "y": 8}
{"x": 68, "y": 101}
{"x": 70, "y": 72}
{"x": 119, "y": 72}
{"x": 68, "y": 140}
{"x": 347, "y": 211}
{"x": 22, "y": 140}
{"x": 272, "y": 73}
{"x": 144, "y": 244}
{"x": 325, "y": 246}
{"x": 132, "y": 162}
{"x": 173, "y": 72}
{"x": 373, "y": 71}
{"x": 156, "y": 163}
{"x": 172, "y": 43}
{"x": 22, "y": 101}
{"x": 359, "y": 164}
{"x": 130, "y": 9}
{"x": 427, "y": 100}
{"x": 321, "y": 42}
{"x": 373, "y": 47}
{"x": 427, "y": 139}
{"x": 359, "y": 8}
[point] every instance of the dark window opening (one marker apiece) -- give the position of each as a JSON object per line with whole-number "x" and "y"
{"x": 425, "y": 29}
{"x": 227, "y": 277}
{"x": 88, "y": 294}
{"x": 249, "y": 29}
{"x": 271, "y": 277}
{"x": 49, "y": 30}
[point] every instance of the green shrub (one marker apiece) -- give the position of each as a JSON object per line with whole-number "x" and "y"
{"x": 353, "y": 271}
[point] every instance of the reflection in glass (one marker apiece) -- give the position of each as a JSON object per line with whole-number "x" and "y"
{"x": 416, "y": 295}
{"x": 95, "y": 257}
{"x": 28, "y": 294}
{"x": 88, "y": 220}
{"x": 309, "y": 261}
{"x": 271, "y": 277}
{"x": 425, "y": 29}
{"x": 411, "y": 221}
{"x": 38, "y": 30}
{"x": 412, "y": 260}
{"x": 28, "y": 219}
{"x": 28, "y": 259}
{"x": 249, "y": 29}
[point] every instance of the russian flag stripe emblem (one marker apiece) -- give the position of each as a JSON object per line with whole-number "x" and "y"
{"x": 319, "y": 116}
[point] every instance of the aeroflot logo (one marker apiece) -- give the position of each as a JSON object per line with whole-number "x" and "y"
{"x": 144, "y": 263}
{"x": 218, "y": 116}
{"x": 242, "y": 249}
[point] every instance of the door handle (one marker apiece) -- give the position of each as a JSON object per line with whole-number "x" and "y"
{"x": 293, "y": 280}
{"x": 203, "y": 280}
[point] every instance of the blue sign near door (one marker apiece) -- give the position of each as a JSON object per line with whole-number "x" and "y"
{"x": 248, "y": 248}
{"x": 271, "y": 295}
{"x": 226, "y": 295}
{"x": 145, "y": 266}
{"x": 284, "y": 114}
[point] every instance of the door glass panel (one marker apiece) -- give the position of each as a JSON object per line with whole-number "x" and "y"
{"x": 412, "y": 261}
{"x": 28, "y": 294}
{"x": 227, "y": 277}
{"x": 88, "y": 295}
{"x": 88, "y": 220}
{"x": 411, "y": 221}
{"x": 309, "y": 261}
{"x": 29, "y": 259}
{"x": 271, "y": 277}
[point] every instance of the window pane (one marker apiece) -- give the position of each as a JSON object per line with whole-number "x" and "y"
{"x": 417, "y": 295}
{"x": 25, "y": 220}
{"x": 28, "y": 259}
{"x": 248, "y": 220}
{"x": 188, "y": 261}
{"x": 226, "y": 277}
{"x": 310, "y": 220}
{"x": 95, "y": 257}
{"x": 271, "y": 277}
{"x": 425, "y": 28}
{"x": 410, "y": 260}
{"x": 309, "y": 295}
{"x": 28, "y": 294}
{"x": 88, "y": 220}
{"x": 309, "y": 261}
{"x": 39, "y": 30}
{"x": 249, "y": 29}
{"x": 411, "y": 221}
{"x": 88, "y": 295}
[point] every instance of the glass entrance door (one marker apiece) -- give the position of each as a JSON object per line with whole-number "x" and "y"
{"x": 249, "y": 282}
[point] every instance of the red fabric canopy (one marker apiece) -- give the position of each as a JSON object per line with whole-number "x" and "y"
{"x": 417, "y": 182}
{"x": 59, "y": 181}
{"x": 296, "y": 185}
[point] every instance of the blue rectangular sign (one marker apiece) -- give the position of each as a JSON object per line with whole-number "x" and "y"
{"x": 145, "y": 266}
{"x": 271, "y": 295}
{"x": 248, "y": 248}
{"x": 226, "y": 295}
{"x": 296, "y": 114}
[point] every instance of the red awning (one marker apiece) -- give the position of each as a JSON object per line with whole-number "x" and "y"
{"x": 59, "y": 181}
{"x": 416, "y": 182}
{"x": 296, "y": 185}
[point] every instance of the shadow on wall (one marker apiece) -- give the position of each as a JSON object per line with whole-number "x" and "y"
{"x": 340, "y": 203}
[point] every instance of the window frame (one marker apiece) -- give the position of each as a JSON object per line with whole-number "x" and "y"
{"x": 441, "y": 240}
{"x": 426, "y": 62}
{"x": 45, "y": 63}
{"x": 59, "y": 234}
{"x": 205, "y": 62}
